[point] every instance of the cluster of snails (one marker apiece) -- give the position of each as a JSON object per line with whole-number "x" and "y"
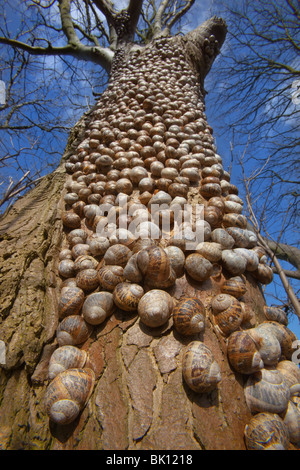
{"x": 147, "y": 150}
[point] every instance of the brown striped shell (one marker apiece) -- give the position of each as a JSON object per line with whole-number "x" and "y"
{"x": 153, "y": 262}
{"x": 243, "y": 354}
{"x": 87, "y": 279}
{"x": 189, "y": 316}
{"x": 117, "y": 255}
{"x": 72, "y": 330}
{"x": 266, "y": 431}
{"x": 68, "y": 393}
{"x": 198, "y": 267}
{"x": 200, "y": 370}
{"x": 70, "y": 302}
{"x": 228, "y": 314}
{"x": 276, "y": 314}
{"x": 109, "y": 276}
{"x": 234, "y": 286}
{"x": 267, "y": 390}
{"x": 155, "y": 308}
{"x": 66, "y": 357}
{"x": 97, "y": 307}
{"x": 126, "y": 296}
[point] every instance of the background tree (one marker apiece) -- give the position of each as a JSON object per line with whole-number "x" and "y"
{"x": 139, "y": 399}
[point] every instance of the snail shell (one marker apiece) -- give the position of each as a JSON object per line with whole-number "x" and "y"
{"x": 153, "y": 262}
{"x": 71, "y": 220}
{"x": 210, "y": 250}
{"x": 276, "y": 314}
{"x": 291, "y": 372}
{"x": 233, "y": 262}
{"x": 155, "y": 308}
{"x": 97, "y": 307}
{"x": 72, "y": 330}
{"x": 189, "y": 316}
{"x": 200, "y": 370}
{"x": 267, "y": 390}
{"x": 118, "y": 255}
{"x": 87, "y": 279}
{"x": 66, "y": 268}
{"x": 267, "y": 344}
{"x": 177, "y": 259}
{"x": 70, "y": 302}
{"x": 85, "y": 262}
{"x": 241, "y": 237}
{"x": 263, "y": 273}
{"x": 266, "y": 431}
{"x": 292, "y": 421}
{"x": 66, "y": 357}
{"x": 228, "y": 314}
{"x": 68, "y": 393}
{"x": 98, "y": 245}
{"x": 109, "y": 276}
{"x": 252, "y": 260}
{"x": 131, "y": 270}
{"x": 221, "y": 236}
{"x": 243, "y": 354}
{"x": 126, "y": 296}
{"x": 234, "y": 220}
{"x": 235, "y": 286}
{"x": 198, "y": 267}
{"x": 284, "y": 335}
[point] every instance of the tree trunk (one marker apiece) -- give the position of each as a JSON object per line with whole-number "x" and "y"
{"x": 139, "y": 400}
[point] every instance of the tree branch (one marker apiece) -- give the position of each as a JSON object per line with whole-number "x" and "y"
{"x": 177, "y": 17}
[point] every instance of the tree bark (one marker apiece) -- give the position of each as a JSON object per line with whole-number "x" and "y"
{"x": 140, "y": 400}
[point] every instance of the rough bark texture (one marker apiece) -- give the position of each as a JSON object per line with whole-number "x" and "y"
{"x": 140, "y": 400}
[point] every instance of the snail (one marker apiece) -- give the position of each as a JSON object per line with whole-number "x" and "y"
{"x": 276, "y": 314}
{"x": 109, "y": 276}
{"x": 154, "y": 264}
{"x": 131, "y": 270}
{"x": 126, "y": 296}
{"x": 72, "y": 330}
{"x": 263, "y": 273}
{"x": 155, "y": 308}
{"x": 85, "y": 262}
{"x": 243, "y": 353}
{"x": 71, "y": 220}
{"x": 198, "y": 267}
{"x": 177, "y": 259}
{"x": 66, "y": 268}
{"x": 98, "y": 244}
{"x": 227, "y": 313}
{"x": 87, "y": 279}
{"x": 234, "y": 220}
{"x": 210, "y": 250}
{"x": 221, "y": 236}
{"x": 267, "y": 390}
{"x": 284, "y": 335}
{"x": 117, "y": 254}
{"x": 189, "y": 316}
{"x": 266, "y": 431}
{"x": 70, "y": 302}
{"x": 290, "y": 370}
{"x": 292, "y": 421}
{"x": 200, "y": 370}
{"x": 68, "y": 393}
{"x": 66, "y": 357}
{"x": 233, "y": 262}
{"x": 268, "y": 345}
{"x": 235, "y": 286}
{"x": 252, "y": 260}
{"x": 97, "y": 307}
